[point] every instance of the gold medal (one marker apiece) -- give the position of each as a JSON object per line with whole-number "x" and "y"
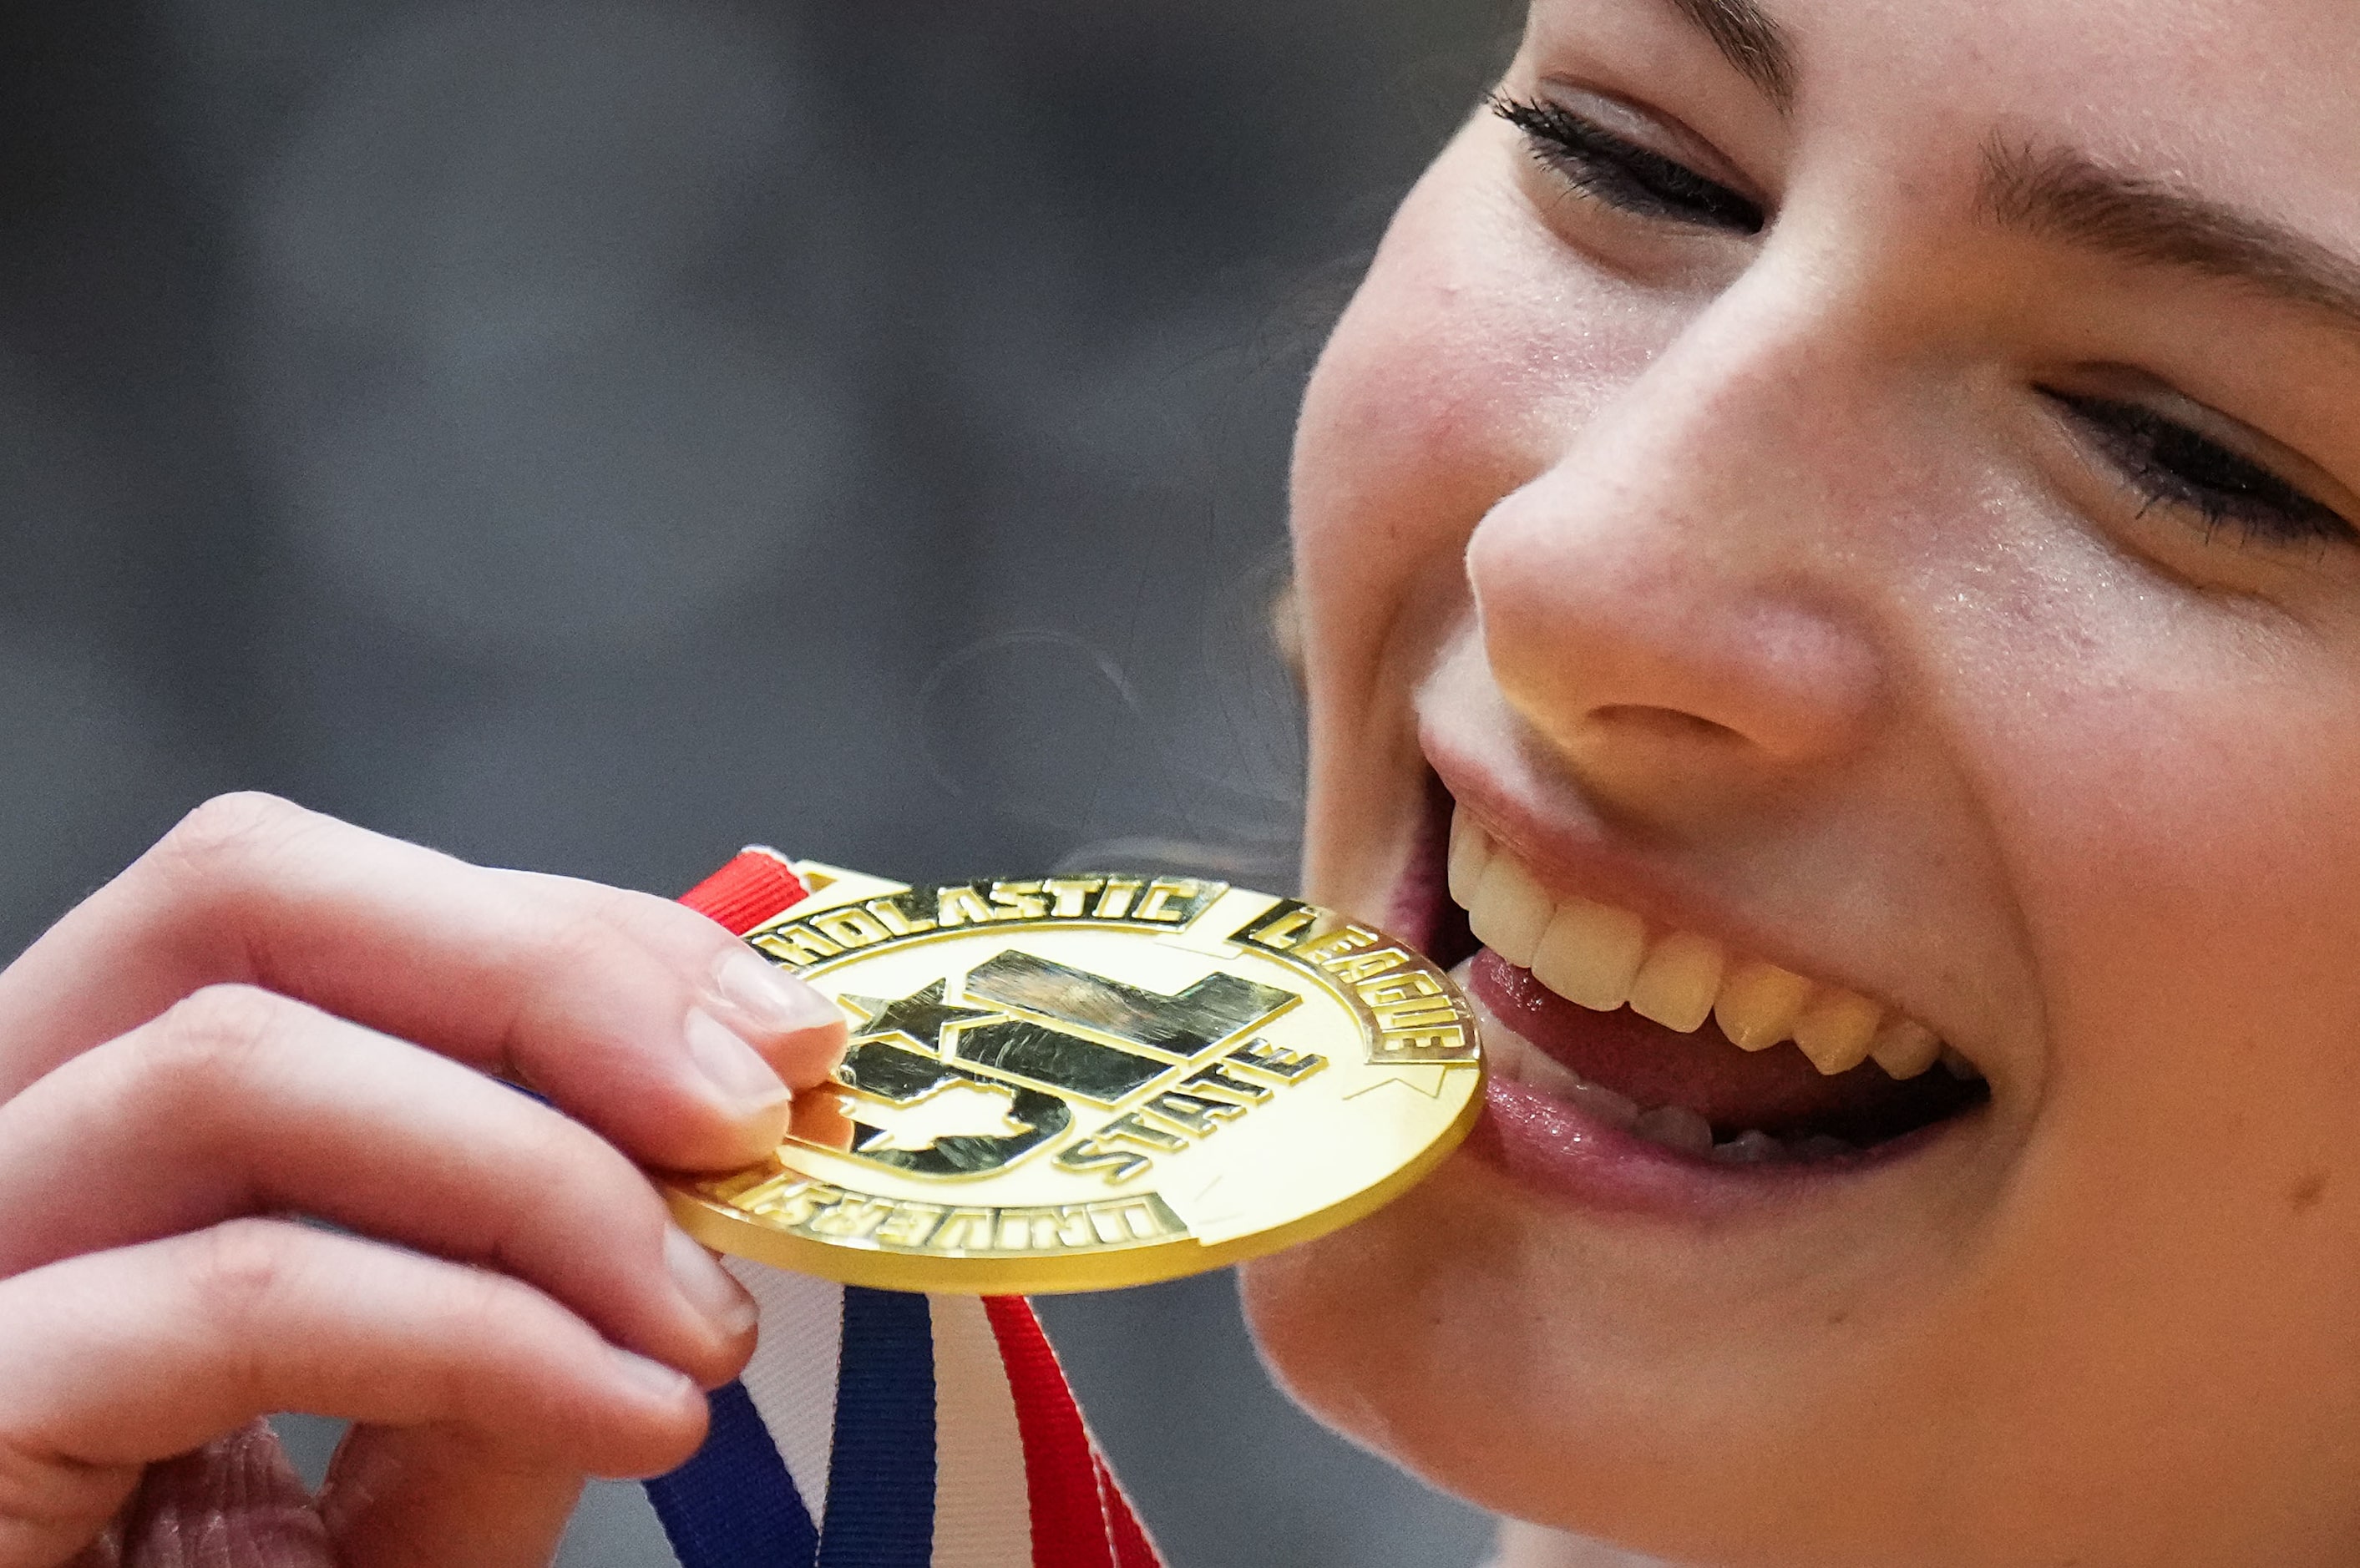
{"x": 1083, "y": 1083}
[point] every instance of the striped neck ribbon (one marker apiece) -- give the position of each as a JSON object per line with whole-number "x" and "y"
{"x": 877, "y": 1429}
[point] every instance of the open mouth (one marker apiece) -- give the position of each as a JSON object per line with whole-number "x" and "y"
{"x": 1710, "y": 1054}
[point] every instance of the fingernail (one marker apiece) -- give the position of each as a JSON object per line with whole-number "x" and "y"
{"x": 734, "y": 1068}
{"x": 769, "y": 998}
{"x": 649, "y": 1379}
{"x": 705, "y": 1286}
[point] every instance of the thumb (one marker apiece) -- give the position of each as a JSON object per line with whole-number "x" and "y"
{"x": 234, "y": 1503}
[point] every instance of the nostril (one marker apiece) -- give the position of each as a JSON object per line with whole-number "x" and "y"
{"x": 1667, "y": 724}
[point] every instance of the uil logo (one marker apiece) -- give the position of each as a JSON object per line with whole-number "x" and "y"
{"x": 1081, "y": 1082}
{"x": 974, "y": 1072}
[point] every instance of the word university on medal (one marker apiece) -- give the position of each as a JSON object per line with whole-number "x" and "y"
{"x": 1081, "y": 1083}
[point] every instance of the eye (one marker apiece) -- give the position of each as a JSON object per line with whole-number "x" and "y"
{"x": 2171, "y": 465}
{"x": 1623, "y": 174}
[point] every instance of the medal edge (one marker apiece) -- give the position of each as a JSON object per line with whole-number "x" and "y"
{"x": 725, "y": 1230}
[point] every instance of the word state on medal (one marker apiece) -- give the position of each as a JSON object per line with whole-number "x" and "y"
{"x": 1045, "y": 1076}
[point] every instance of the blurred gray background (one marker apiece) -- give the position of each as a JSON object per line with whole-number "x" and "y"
{"x": 591, "y": 436}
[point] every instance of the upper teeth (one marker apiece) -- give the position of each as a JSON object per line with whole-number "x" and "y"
{"x": 1606, "y": 958}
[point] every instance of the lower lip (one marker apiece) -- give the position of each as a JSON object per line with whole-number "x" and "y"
{"x": 1553, "y": 1147}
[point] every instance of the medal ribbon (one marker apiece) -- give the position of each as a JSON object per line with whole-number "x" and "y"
{"x": 876, "y": 1429}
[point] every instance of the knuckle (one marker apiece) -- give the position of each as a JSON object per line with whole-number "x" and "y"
{"x": 239, "y": 1268}
{"x": 211, "y": 1039}
{"x": 481, "y": 1305}
{"x": 561, "y": 1148}
{"x": 583, "y": 939}
{"x": 228, "y": 829}
{"x": 584, "y": 1176}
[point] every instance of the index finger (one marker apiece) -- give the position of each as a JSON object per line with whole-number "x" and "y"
{"x": 643, "y": 1018}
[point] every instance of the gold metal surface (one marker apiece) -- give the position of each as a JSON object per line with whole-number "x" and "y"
{"x": 1083, "y": 1083}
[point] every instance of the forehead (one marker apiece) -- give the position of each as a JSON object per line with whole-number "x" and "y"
{"x": 2248, "y": 100}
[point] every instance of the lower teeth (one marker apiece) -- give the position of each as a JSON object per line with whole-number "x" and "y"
{"x": 1673, "y": 1126}
{"x": 1749, "y": 1148}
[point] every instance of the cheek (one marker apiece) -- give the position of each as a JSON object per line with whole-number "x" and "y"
{"x": 2193, "y": 870}
{"x": 1471, "y": 356}
{"x": 1398, "y": 452}
{"x": 2188, "y": 861}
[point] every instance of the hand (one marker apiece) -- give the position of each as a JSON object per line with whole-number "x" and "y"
{"x": 271, "y": 1014}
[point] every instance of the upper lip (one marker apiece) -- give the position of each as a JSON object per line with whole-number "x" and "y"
{"x": 1573, "y": 851}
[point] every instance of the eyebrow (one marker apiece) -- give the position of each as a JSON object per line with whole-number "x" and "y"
{"x": 1750, "y": 39}
{"x": 2061, "y": 193}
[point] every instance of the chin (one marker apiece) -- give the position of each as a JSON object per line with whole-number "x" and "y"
{"x": 1673, "y": 1250}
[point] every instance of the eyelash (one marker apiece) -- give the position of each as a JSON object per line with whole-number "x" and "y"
{"x": 2166, "y": 463}
{"x": 2170, "y": 465}
{"x": 1623, "y": 174}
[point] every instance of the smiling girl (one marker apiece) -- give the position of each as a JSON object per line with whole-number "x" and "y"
{"x": 1827, "y": 558}
{"x": 1855, "y": 507}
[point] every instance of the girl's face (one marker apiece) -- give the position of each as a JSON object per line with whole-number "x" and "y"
{"x": 1868, "y": 490}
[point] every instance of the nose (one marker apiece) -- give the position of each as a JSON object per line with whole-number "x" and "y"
{"x": 1676, "y": 605}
